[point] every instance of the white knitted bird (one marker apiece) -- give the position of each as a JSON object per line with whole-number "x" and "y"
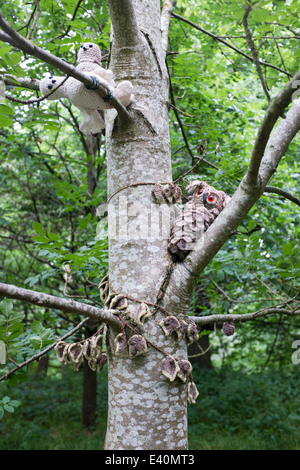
{"x": 87, "y": 100}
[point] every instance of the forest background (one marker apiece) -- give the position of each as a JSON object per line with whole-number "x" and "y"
{"x": 53, "y": 179}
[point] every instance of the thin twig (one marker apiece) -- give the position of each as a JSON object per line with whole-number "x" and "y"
{"x": 240, "y": 318}
{"x": 45, "y": 351}
{"x": 282, "y": 192}
{"x": 218, "y": 38}
{"x": 36, "y": 100}
{"x": 194, "y": 166}
{"x": 36, "y": 15}
{"x": 69, "y": 27}
{"x": 178, "y": 117}
{"x": 253, "y": 51}
{"x": 165, "y": 23}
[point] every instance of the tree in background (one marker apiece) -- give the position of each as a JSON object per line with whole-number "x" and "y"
{"x": 149, "y": 377}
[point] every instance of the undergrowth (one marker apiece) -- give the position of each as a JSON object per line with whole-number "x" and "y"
{"x": 233, "y": 411}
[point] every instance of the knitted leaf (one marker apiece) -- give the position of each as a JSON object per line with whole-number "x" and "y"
{"x": 101, "y": 360}
{"x": 192, "y": 393}
{"x": 185, "y": 369}
{"x": 59, "y": 349}
{"x": 86, "y": 349}
{"x": 170, "y": 324}
{"x": 157, "y": 193}
{"x": 66, "y": 356}
{"x": 192, "y": 332}
{"x": 76, "y": 353}
{"x": 118, "y": 302}
{"x": 137, "y": 345}
{"x": 170, "y": 368}
{"x": 103, "y": 288}
{"x": 92, "y": 363}
{"x": 181, "y": 331}
{"x": 121, "y": 342}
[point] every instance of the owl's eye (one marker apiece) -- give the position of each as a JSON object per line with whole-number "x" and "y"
{"x": 210, "y": 198}
{"x": 90, "y": 45}
{"x": 200, "y": 191}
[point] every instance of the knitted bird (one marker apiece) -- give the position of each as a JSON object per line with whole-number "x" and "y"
{"x": 87, "y": 100}
{"x": 198, "y": 214}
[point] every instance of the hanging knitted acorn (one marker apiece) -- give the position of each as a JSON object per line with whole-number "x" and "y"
{"x": 192, "y": 393}
{"x": 228, "y": 328}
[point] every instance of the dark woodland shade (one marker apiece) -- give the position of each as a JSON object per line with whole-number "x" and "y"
{"x": 200, "y": 211}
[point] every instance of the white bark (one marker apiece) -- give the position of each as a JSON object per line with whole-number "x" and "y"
{"x": 146, "y": 411}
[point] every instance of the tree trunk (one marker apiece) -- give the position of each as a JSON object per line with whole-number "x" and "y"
{"x": 89, "y": 396}
{"x": 146, "y": 410}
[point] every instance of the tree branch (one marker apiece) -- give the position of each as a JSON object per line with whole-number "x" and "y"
{"x": 165, "y": 24}
{"x": 204, "y": 320}
{"x": 282, "y": 192}
{"x": 29, "y": 83}
{"x": 18, "y": 41}
{"x": 36, "y": 15}
{"x": 125, "y": 29}
{"x": 217, "y": 38}
{"x": 276, "y": 109}
{"x": 66, "y": 305}
{"x": 242, "y": 201}
{"x": 254, "y": 52}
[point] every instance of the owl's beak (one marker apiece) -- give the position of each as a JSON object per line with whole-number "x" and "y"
{"x": 204, "y": 198}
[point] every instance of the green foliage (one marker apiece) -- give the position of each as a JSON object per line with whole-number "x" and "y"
{"x": 11, "y": 326}
{"x": 6, "y": 404}
{"x": 51, "y": 183}
{"x": 234, "y": 411}
{"x": 260, "y": 409}
{"x": 48, "y": 419}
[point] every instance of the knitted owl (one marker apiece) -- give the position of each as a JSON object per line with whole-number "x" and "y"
{"x": 200, "y": 211}
{"x": 88, "y": 101}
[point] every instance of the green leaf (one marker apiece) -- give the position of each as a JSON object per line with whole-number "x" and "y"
{"x": 5, "y": 121}
{"x": 41, "y": 239}
{"x": 53, "y": 236}
{"x": 8, "y": 408}
{"x": 287, "y": 249}
{"x": 6, "y": 307}
{"x": 251, "y": 225}
{"x": 38, "y": 228}
{"x": 4, "y": 109}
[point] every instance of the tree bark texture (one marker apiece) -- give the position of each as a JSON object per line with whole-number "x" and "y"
{"x": 146, "y": 410}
